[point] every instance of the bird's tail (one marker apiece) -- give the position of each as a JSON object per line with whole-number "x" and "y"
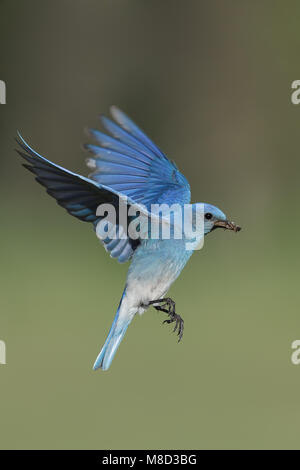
{"x": 114, "y": 338}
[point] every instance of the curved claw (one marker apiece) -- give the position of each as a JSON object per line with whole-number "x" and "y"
{"x": 180, "y": 332}
{"x": 179, "y": 324}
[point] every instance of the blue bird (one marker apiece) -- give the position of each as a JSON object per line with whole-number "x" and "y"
{"x": 129, "y": 171}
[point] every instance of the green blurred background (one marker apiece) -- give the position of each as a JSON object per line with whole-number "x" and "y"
{"x": 210, "y": 82}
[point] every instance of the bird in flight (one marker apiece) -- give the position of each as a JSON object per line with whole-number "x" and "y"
{"x": 129, "y": 172}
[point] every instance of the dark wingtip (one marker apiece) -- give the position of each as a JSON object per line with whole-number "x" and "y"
{"x": 85, "y": 147}
{"x": 88, "y": 131}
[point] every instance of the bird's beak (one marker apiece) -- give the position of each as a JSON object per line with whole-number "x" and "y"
{"x": 227, "y": 225}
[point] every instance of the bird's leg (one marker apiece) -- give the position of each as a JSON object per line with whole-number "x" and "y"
{"x": 170, "y": 310}
{"x": 166, "y": 302}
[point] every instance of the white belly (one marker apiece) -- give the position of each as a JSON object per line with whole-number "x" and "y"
{"x": 139, "y": 294}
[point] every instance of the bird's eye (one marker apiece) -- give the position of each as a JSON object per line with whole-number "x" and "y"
{"x": 208, "y": 215}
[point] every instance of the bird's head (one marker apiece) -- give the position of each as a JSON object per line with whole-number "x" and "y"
{"x": 215, "y": 218}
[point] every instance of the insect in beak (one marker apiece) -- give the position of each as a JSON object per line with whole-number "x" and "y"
{"x": 226, "y": 224}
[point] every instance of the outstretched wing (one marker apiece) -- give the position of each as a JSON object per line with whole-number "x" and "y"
{"x": 130, "y": 163}
{"x": 81, "y": 197}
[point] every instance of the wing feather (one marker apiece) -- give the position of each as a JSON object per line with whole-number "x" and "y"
{"x": 129, "y": 162}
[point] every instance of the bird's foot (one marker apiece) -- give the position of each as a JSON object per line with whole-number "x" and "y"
{"x": 179, "y": 324}
{"x": 168, "y": 306}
